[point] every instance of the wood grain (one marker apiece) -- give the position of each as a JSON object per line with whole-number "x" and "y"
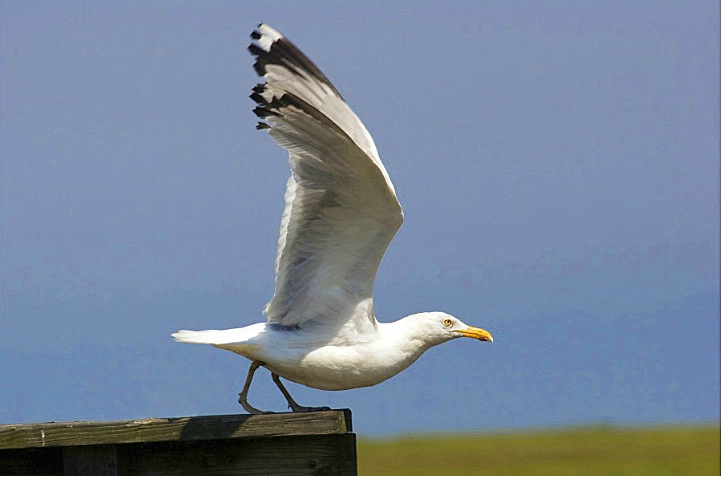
{"x": 76, "y": 433}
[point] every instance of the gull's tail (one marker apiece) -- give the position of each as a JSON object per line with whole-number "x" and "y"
{"x": 214, "y": 337}
{"x": 201, "y": 337}
{"x": 221, "y": 337}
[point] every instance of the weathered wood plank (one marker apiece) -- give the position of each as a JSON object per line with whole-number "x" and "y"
{"x": 78, "y": 433}
{"x": 33, "y": 461}
{"x": 289, "y": 455}
{"x": 90, "y": 460}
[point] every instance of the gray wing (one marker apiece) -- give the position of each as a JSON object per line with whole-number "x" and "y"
{"x": 341, "y": 209}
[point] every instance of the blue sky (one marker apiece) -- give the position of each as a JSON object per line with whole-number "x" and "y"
{"x": 558, "y": 163}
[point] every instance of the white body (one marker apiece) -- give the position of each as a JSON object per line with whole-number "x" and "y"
{"x": 300, "y": 355}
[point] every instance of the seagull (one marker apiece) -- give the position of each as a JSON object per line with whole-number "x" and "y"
{"x": 341, "y": 212}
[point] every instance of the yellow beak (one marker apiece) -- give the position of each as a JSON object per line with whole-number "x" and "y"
{"x": 477, "y": 333}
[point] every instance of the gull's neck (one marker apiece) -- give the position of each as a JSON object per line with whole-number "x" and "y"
{"x": 410, "y": 337}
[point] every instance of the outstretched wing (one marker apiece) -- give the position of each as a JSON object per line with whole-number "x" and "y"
{"x": 341, "y": 209}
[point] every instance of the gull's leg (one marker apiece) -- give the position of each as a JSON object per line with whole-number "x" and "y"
{"x": 242, "y": 396}
{"x": 295, "y": 407}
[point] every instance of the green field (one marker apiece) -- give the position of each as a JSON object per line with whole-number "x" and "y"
{"x": 686, "y": 450}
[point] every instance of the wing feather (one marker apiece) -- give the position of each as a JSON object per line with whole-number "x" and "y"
{"x": 341, "y": 209}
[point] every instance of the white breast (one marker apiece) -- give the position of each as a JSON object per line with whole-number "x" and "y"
{"x": 339, "y": 367}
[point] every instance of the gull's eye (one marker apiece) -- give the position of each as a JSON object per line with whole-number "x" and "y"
{"x": 447, "y": 322}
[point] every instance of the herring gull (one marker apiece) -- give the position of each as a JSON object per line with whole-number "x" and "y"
{"x": 340, "y": 214}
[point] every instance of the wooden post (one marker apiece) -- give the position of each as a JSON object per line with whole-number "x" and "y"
{"x": 310, "y": 443}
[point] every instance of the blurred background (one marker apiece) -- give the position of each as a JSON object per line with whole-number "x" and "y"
{"x": 558, "y": 163}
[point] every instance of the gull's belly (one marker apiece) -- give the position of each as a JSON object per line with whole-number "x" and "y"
{"x": 335, "y": 368}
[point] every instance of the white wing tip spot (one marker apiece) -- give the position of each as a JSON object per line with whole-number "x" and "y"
{"x": 267, "y": 37}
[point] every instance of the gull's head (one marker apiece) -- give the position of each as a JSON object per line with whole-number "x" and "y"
{"x": 438, "y": 327}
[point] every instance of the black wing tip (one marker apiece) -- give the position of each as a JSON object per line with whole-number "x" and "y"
{"x": 264, "y": 112}
{"x": 256, "y": 34}
{"x": 255, "y": 49}
{"x": 262, "y": 47}
{"x": 270, "y": 47}
{"x": 264, "y": 37}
